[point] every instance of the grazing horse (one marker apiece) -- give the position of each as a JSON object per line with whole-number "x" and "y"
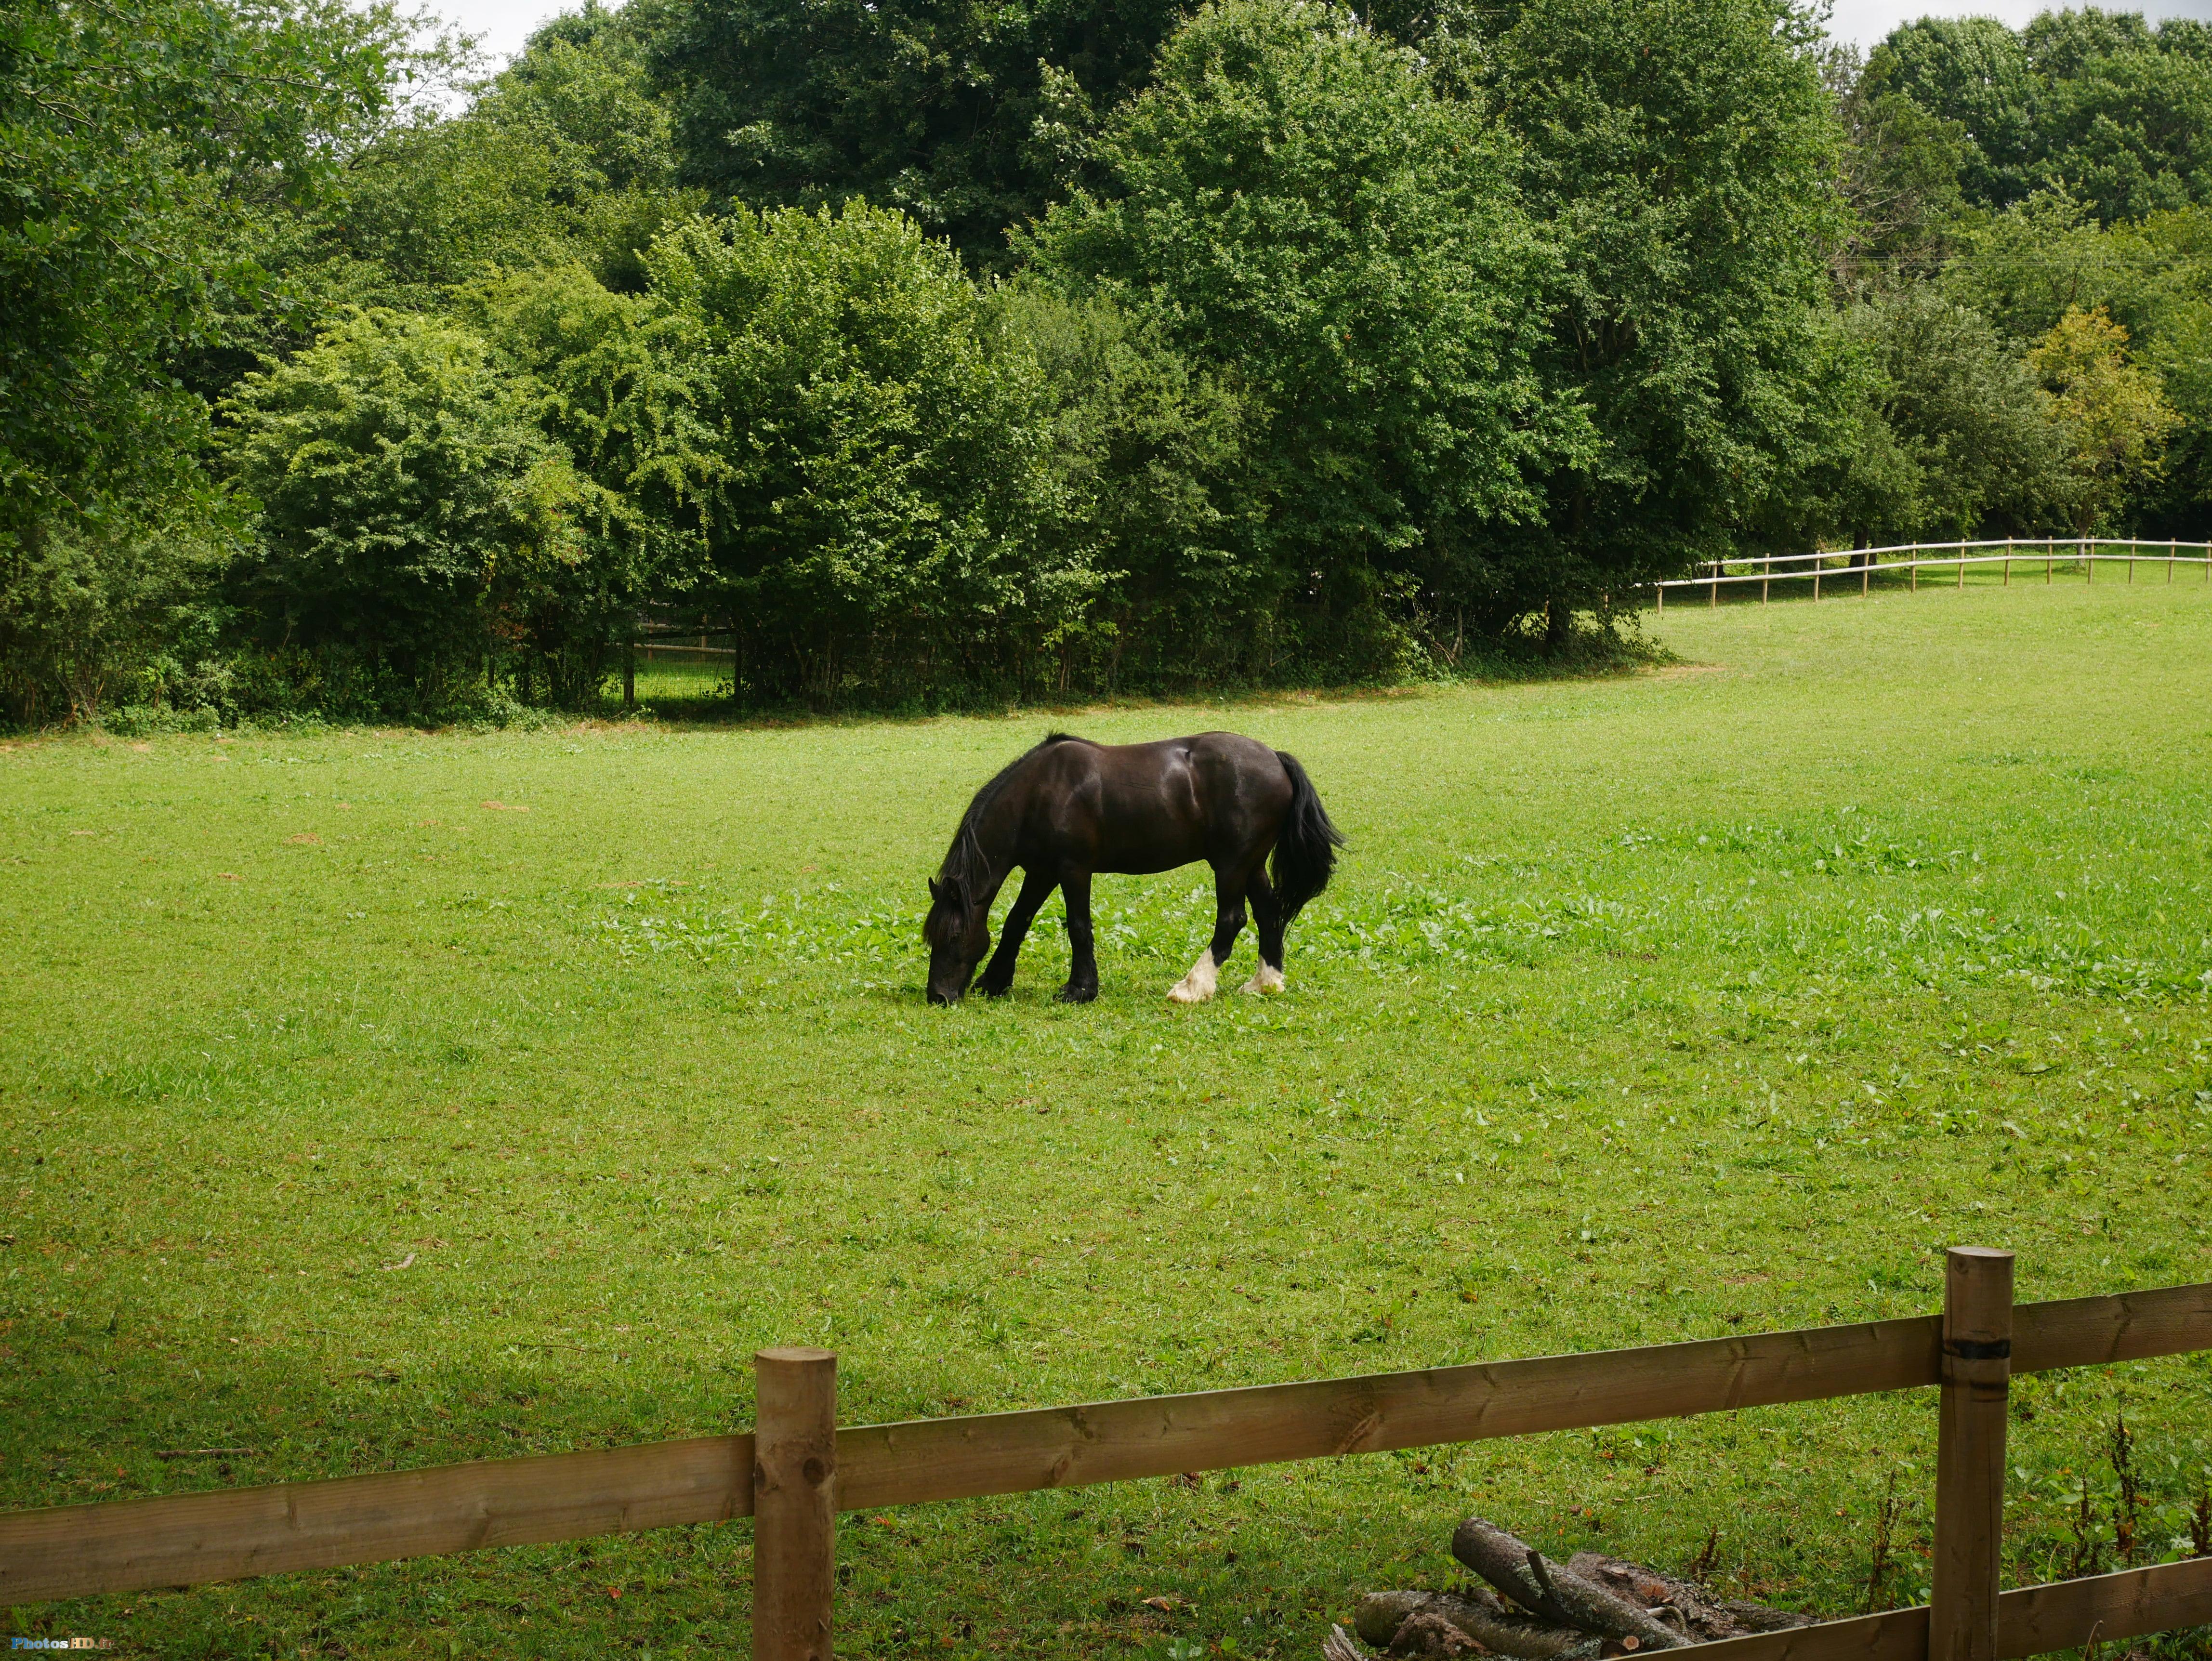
{"x": 1070, "y": 809}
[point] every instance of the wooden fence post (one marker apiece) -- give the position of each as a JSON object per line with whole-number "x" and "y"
{"x": 794, "y": 1503}
{"x": 1970, "y": 1454}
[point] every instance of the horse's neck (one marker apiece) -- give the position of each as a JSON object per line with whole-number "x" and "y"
{"x": 994, "y": 841}
{"x": 998, "y": 860}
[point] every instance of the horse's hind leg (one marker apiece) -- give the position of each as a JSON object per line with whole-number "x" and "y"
{"x": 999, "y": 975}
{"x": 1228, "y": 920}
{"x": 1267, "y": 914}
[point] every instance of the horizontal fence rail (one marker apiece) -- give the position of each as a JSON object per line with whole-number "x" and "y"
{"x": 1947, "y": 552}
{"x": 1866, "y": 564}
{"x": 186, "y": 1539}
{"x": 2063, "y": 1614}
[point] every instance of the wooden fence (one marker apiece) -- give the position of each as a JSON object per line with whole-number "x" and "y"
{"x": 1867, "y": 564}
{"x": 796, "y": 1469}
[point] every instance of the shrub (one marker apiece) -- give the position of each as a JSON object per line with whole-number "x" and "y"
{"x": 404, "y": 488}
{"x": 886, "y": 485}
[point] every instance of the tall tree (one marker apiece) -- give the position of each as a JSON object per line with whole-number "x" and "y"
{"x": 1684, "y": 153}
{"x": 135, "y": 137}
{"x": 1299, "y": 206}
{"x": 2094, "y": 103}
{"x": 1900, "y": 179}
{"x": 2113, "y": 412}
{"x": 1973, "y": 72}
{"x": 958, "y": 112}
{"x": 137, "y": 143}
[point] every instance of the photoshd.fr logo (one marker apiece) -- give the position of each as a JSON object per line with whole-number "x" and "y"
{"x": 61, "y": 1643}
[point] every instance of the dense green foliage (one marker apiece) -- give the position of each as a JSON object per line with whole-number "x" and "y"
{"x": 927, "y": 355}
{"x": 141, "y": 148}
{"x": 965, "y": 116}
{"x": 2091, "y": 102}
{"x": 1642, "y": 1010}
{"x": 887, "y": 491}
{"x": 1949, "y": 430}
{"x": 1683, "y": 153}
{"x": 1312, "y": 220}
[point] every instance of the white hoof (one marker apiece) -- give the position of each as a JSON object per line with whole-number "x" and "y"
{"x": 1269, "y": 979}
{"x": 1197, "y": 986}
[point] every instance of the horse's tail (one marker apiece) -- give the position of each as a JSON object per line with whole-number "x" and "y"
{"x": 1305, "y": 849}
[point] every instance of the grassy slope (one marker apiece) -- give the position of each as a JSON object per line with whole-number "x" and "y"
{"x": 1646, "y": 1009}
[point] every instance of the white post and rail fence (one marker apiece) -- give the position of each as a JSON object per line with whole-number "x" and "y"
{"x": 2029, "y": 556}
{"x": 796, "y": 1469}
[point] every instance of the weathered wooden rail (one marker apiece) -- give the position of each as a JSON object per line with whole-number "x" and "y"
{"x": 1867, "y": 564}
{"x": 796, "y": 1469}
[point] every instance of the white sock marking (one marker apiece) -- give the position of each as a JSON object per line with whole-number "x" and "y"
{"x": 1267, "y": 979}
{"x": 1197, "y": 986}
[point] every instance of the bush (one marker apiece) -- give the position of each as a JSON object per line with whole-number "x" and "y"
{"x": 405, "y": 490}
{"x": 90, "y": 606}
{"x": 136, "y": 721}
{"x": 617, "y": 382}
{"x": 1943, "y": 432}
{"x": 886, "y": 490}
{"x": 1147, "y": 449}
{"x": 2112, "y": 412}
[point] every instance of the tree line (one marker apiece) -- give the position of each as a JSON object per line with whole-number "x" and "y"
{"x": 944, "y": 356}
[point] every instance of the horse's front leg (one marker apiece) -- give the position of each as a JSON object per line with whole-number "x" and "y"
{"x": 1083, "y": 961}
{"x": 1228, "y": 921}
{"x": 999, "y": 975}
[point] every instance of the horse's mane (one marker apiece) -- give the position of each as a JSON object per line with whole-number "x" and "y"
{"x": 967, "y": 864}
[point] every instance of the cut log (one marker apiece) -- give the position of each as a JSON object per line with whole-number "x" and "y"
{"x": 1382, "y": 1615}
{"x": 1550, "y": 1590}
{"x": 1432, "y": 1635}
{"x": 1707, "y": 1618}
{"x": 1765, "y": 1617}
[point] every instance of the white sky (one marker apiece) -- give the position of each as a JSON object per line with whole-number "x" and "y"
{"x": 1865, "y": 22}
{"x": 504, "y": 24}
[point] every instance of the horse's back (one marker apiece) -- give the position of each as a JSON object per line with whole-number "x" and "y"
{"x": 1146, "y": 807}
{"x": 1204, "y": 766}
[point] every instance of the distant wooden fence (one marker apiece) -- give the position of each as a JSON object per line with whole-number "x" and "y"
{"x": 1867, "y": 564}
{"x": 660, "y": 646}
{"x": 796, "y": 1469}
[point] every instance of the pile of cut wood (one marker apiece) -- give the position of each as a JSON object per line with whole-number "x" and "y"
{"x": 1586, "y": 1608}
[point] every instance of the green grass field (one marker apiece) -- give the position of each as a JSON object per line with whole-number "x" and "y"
{"x": 1700, "y": 1001}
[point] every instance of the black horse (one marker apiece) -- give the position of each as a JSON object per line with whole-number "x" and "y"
{"x": 1070, "y": 809}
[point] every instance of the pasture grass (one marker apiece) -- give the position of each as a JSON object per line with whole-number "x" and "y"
{"x": 1681, "y": 1003}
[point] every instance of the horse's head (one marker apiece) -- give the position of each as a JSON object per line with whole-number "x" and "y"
{"x": 958, "y": 933}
